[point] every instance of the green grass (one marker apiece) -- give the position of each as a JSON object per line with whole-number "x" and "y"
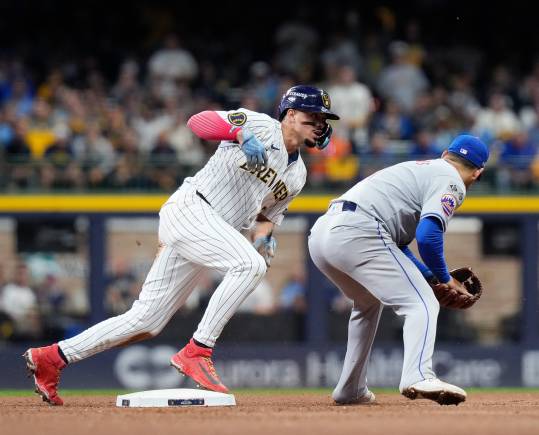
{"x": 265, "y": 391}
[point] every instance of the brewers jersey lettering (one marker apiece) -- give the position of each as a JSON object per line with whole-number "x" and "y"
{"x": 236, "y": 193}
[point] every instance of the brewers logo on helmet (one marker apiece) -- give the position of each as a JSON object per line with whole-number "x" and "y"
{"x": 325, "y": 100}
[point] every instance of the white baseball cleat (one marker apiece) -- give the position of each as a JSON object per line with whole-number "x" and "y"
{"x": 437, "y": 390}
{"x": 367, "y": 399}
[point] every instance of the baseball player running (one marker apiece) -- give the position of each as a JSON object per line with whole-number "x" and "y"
{"x": 246, "y": 185}
{"x": 361, "y": 245}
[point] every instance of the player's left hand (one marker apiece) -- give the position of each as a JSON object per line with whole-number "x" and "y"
{"x": 254, "y": 150}
{"x": 461, "y": 292}
{"x": 266, "y": 246}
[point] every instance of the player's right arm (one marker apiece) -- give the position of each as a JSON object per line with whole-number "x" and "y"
{"x": 211, "y": 125}
{"x": 425, "y": 271}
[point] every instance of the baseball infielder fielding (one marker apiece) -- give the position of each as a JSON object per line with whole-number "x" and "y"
{"x": 247, "y": 184}
{"x": 361, "y": 245}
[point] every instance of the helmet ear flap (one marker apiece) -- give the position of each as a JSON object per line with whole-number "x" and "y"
{"x": 324, "y": 139}
{"x": 283, "y": 113}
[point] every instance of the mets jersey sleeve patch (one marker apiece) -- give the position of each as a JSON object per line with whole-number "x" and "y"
{"x": 449, "y": 203}
{"x": 457, "y": 192}
{"x": 237, "y": 118}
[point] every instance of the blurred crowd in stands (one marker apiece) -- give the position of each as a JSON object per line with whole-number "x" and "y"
{"x": 76, "y": 128}
{"x": 71, "y": 122}
{"x": 36, "y": 303}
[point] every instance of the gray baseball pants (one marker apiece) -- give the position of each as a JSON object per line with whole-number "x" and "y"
{"x": 358, "y": 255}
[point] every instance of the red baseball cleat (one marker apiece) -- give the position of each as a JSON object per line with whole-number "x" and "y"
{"x": 195, "y": 361}
{"x": 45, "y": 363}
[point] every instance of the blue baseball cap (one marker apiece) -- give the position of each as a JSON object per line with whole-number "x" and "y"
{"x": 470, "y": 148}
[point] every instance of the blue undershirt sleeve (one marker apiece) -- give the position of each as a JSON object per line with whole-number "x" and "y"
{"x": 430, "y": 242}
{"x": 425, "y": 271}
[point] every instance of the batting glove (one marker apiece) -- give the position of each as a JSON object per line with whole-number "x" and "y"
{"x": 266, "y": 246}
{"x": 254, "y": 151}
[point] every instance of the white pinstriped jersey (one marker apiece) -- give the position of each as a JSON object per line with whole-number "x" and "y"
{"x": 239, "y": 195}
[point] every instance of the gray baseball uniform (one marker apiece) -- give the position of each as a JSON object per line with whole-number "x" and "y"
{"x": 356, "y": 245}
{"x": 199, "y": 228}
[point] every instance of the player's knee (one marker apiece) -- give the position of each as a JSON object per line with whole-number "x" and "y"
{"x": 433, "y": 306}
{"x": 150, "y": 330}
{"x": 147, "y": 329}
{"x": 252, "y": 265}
{"x": 144, "y": 321}
{"x": 258, "y": 265}
{"x": 153, "y": 332}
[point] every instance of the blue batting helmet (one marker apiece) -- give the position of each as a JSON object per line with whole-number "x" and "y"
{"x": 306, "y": 99}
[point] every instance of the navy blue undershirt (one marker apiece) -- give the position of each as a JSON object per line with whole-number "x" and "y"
{"x": 430, "y": 242}
{"x": 293, "y": 157}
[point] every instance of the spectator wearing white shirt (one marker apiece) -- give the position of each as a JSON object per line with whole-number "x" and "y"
{"x": 171, "y": 68}
{"x": 354, "y": 101}
{"x": 402, "y": 81}
{"x": 497, "y": 121}
{"x": 18, "y": 301}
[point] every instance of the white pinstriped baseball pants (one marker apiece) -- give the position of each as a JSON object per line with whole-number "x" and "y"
{"x": 194, "y": 237}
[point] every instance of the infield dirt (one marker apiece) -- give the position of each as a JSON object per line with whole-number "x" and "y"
{"x": 276, "y": 414}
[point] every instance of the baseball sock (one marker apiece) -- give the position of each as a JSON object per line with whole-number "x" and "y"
{"x": 61, "y": 353}
{"x": 198, "y": 343}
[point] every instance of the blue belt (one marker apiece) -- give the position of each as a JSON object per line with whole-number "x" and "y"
{"x": 347, "y": 205}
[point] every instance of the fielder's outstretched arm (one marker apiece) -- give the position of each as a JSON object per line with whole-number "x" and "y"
{"x": 425, "y": 271}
